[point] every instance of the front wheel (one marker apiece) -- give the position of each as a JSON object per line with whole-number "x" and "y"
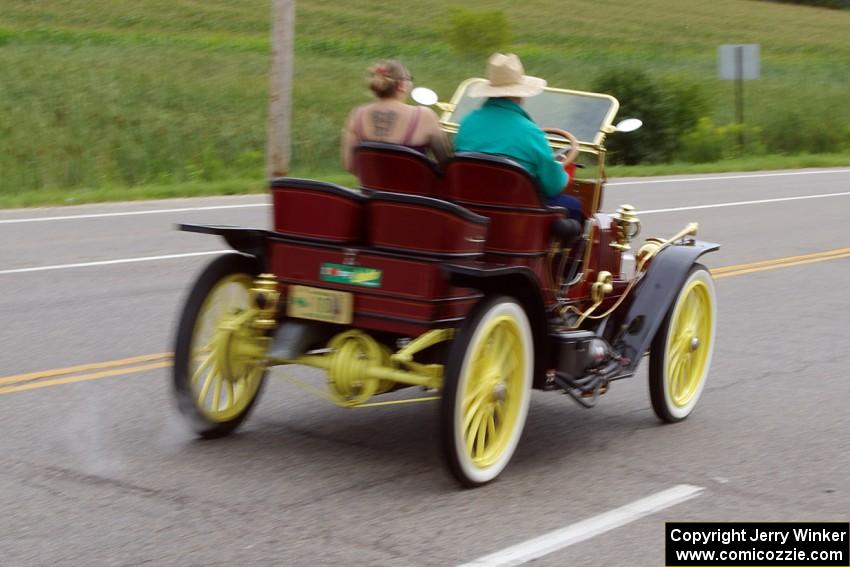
{"x": 219, "y": 365}
{"x": 487, "y": 390}
{"x": 681, "y": 351}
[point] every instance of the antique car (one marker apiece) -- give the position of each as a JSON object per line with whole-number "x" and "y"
{"x": 459, "y": 282}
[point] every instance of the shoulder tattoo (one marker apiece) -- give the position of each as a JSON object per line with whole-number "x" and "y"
{"x": 383, "y": 121}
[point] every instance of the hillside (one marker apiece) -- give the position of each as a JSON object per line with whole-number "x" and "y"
{"x": 124, "y": 93}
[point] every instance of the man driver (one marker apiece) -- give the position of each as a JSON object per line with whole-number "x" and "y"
{"x": 501, "y": 127}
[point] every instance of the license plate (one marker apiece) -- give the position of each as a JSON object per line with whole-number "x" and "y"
{"x": 319, "y": 304}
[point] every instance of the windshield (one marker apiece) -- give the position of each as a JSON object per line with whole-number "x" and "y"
{"x": 583, "y": 114}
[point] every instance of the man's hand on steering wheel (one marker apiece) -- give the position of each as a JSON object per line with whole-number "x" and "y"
{"x": 569, "y": 154}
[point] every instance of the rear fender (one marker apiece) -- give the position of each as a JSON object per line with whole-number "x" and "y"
{"x": 292, "y": 337}
{"x": 250, "y": 241}
{"x": 520, "y": 283}
{"x": 652, "y": 297}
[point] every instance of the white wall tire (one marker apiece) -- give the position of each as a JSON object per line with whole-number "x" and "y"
{"x": 487, "y": 390}
{"x": 681, "y": 352}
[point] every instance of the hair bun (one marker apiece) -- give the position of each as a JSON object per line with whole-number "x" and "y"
{"x": 385, "y": 77}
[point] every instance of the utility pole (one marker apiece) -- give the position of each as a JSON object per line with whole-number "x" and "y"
{"x": 280, "y": 91}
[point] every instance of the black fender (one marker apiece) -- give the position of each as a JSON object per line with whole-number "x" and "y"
{"x": 652, "y": 297}
{"x": 250, "y": 241}
{"x": 518, "y": 282}
{"x": 292, "y": 337}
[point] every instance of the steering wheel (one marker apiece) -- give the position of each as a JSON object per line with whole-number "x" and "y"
{"x": 567, "y": 155}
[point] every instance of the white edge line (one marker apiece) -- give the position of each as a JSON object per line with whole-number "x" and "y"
{"x": 133, "y": 213}
{"x": 111, "y": 262}
{"x": 586, "y": 529}
{"x": 609, "y": 184}
{"x": 191, "y": 254}
{"x": 725, "y": 177}
{"x": 742, "y": 203}
{"x": 220, "y": 207}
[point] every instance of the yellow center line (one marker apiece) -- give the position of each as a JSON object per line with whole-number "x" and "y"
{"x": 84, "y": 368}
{"x": 124, "y": 366}
{"x": 93, "y": 376}
{"x": 787, "y": 262}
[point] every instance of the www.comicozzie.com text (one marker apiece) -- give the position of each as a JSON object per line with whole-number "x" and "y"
{"x": 726, "y": 536}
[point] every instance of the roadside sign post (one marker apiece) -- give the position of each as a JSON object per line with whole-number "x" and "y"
{"x": 739, "y": 62}
{"x": 739, "y": 83}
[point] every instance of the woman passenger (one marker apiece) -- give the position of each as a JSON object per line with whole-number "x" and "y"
{"x": 390, "y": 119}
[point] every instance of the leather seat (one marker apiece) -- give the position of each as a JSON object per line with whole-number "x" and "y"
{"x": 395, "y": 168}
{"x": 501, "y": 189}
{"x": 424, "y": 225}
{"x": 315, "y": 210}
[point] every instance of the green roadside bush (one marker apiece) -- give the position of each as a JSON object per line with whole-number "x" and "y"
{"x": 668, "y": 110}
{"x": 707, "y": 142}
{"x": 789, "y": 133}
{"x": 478, "y": 33}
{"x": 794, "y": 132}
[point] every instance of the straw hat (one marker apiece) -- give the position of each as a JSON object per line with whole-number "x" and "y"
{"x": 506, "y": 77}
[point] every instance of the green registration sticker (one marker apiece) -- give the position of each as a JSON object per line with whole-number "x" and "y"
{"x": 352, "y": 275}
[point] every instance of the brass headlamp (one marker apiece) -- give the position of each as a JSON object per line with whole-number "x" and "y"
{"x": 628, "y": 227}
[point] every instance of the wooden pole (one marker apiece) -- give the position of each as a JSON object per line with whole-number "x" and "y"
{"x": 280, "y": 91}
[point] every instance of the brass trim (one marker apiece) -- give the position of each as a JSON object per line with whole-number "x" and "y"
{"x": 603, "y": 286}
{"x": 628, "y": 227}
{"x": 265, "y": 296}
{"x": 650, "y": 248}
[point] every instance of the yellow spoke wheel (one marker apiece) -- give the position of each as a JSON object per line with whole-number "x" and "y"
{"x": 218, "y": 369}
{"x": 487, "y": 390}
{"x": 681, "y": 351}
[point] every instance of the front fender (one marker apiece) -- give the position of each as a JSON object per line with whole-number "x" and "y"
{"x": 653, "y": 296}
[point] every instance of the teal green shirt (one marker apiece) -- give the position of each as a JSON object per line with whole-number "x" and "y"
{"x": 502, "y": 127}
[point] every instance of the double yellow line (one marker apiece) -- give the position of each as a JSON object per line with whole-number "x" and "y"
{"x": 787, "y": 262}
{"x": 83, "y": 372}
{"x": 124, "y": 366}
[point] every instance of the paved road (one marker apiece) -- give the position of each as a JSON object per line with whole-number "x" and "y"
{"x": 103, "y": 472}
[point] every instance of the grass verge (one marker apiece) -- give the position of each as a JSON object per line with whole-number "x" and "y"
{"x": 757, "y": 163}
{"x": 169, "y": 98}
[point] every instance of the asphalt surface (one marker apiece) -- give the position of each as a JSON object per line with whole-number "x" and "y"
{"x": 104, "y": 472}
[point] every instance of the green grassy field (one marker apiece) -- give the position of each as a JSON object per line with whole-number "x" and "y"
{"x": 127, "y": 99}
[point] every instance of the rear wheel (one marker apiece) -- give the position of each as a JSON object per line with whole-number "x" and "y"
{"x": 218, "y": 367}
{"x": 487, "y": 390}
{"x": 681, "y": 351}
